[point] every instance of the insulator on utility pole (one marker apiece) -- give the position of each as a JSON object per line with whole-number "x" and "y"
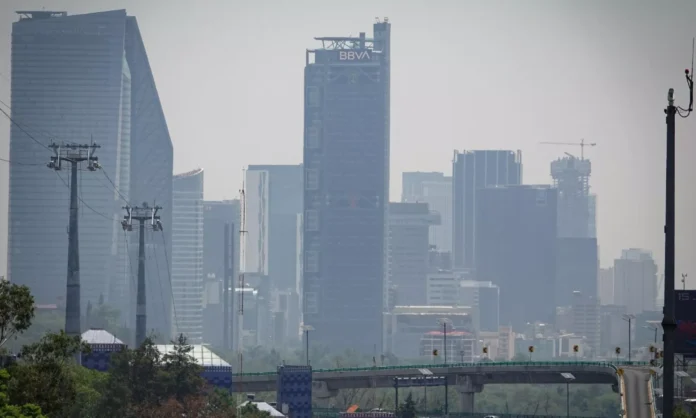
{"x": 142, "y": 214}
{"x": 74, "y": 154}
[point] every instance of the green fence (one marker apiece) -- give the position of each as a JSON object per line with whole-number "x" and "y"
{"x": 612, "y": 364}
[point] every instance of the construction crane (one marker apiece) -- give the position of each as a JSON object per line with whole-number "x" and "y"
{"x": 581, "y": 144}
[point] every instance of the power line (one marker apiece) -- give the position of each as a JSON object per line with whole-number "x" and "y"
{"x": 159, "y": 279}
{"x": 82, "y": 201}
{"x": 169, "y": 273}
{"x": 115, "y": 188}
{"x": 23, "y": 130}
{"x": 18, "y": 163}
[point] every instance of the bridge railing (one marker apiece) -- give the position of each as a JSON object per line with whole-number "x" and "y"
{"x": 335, "y": 413}
{"x": 612, "y": 364}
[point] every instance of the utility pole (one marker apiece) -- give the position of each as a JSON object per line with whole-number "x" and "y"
{"x": 73, "y": 154}
{"x": 669, "y": 323}
{"x": 141, "y": 214}
{"x": 226, "y": 282}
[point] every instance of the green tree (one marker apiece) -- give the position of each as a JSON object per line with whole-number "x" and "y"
{"x": 408, "y": 408}
{"x": 43, "y": 375}
{"x": 182, "y": 371}
{"x": 14, "y": 411}
{"x": 250, "y": 410}
{"x": 16, "y": 310}
{"x": 135, "y": 381}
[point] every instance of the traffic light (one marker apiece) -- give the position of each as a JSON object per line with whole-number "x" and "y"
{"x": 617, "y": 350}
{"x": 485, "y": 350}
{"x": 531, "y": 349}
{"x": 661, "y": 354}
{"x": 435, "y": 352}
{"x": 576, "y": 348}
{"x": 652, "y": 349}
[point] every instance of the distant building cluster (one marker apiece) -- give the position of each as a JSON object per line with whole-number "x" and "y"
{"x": 472, "y": 263}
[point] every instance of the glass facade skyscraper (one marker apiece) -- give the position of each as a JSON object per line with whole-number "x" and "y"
{"x": 78, "y": 79}
{"x": 187, "y": 255}
{"x": 471, "y": 172}
{"x": 346, "y": 189}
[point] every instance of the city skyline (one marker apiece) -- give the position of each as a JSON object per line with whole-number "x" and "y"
{"x": 630, "y": 142}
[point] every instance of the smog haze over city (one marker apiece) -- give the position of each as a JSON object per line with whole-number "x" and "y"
{"x": 395, "y": 178}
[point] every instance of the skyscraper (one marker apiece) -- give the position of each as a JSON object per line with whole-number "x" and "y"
{"x": 471, "y": 172}
{"x": 216, "y": 216}
{"x": 435, "y": 189}
{"x": 635, "y": 281}
{"x": 408, "y": 251}
{"x": 187, "y": 255}
{"x": 75, "y": 79}
{"x": 577, "y": 269}
{"x": 516, "y": 250}
{"x": 576, "y": 207}
{"x": 152, "y": 168}
{"x": 274, "y": 199}
{"x": 346, "y": 188}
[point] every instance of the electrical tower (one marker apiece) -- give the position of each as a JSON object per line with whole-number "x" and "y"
{"x": 141, "y": 214}
{"x": 73, "y": 154}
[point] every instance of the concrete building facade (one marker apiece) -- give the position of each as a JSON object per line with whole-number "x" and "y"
{"x": 435, "y": 189}
{"x": 635, "y": 281}
{"x": 407, "y": 265}
{"x": 279, "y": 198}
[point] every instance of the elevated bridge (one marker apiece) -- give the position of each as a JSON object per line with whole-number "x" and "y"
{"x": 470, "y": 378}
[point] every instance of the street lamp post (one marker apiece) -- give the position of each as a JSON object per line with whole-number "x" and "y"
{"x": 629, "y": 318}
{"x": 568, "y": 378}
{"x": 306, "y": 329}
{"x": 444, "y": 322}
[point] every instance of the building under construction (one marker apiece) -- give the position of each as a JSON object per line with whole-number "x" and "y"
{"x": 576, "y": 206}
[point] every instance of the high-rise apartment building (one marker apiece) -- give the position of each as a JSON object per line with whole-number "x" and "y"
{"x": 516, "y": 248}
{"x": 471, "y": 172}
{"x": 408, "y": 255}
{"x": 274, "y": 199}
{"x": 187, "y": 255}
{"x": 635, "y": 281}
{"x": 346, "y": 188}
{"x": 78, "y": 79}
{"x": 435, "y": 189}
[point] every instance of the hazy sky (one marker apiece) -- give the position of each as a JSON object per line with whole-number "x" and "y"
{"x": 465, "y": 75}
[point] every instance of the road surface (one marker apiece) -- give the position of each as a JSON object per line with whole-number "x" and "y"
{"x": 637, "y": 393}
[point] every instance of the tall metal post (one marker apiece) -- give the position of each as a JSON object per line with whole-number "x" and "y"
{"x": 73, "y": 154}
{"x": 668, "y": 321}
{"x": 568, "y": 399}
{"x": 141, "y": 214}
{"x": 444, "y": 338}
{"x": 225, "y": 290}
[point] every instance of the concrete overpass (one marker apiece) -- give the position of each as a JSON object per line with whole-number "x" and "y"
{"x": 467, "y": 378}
